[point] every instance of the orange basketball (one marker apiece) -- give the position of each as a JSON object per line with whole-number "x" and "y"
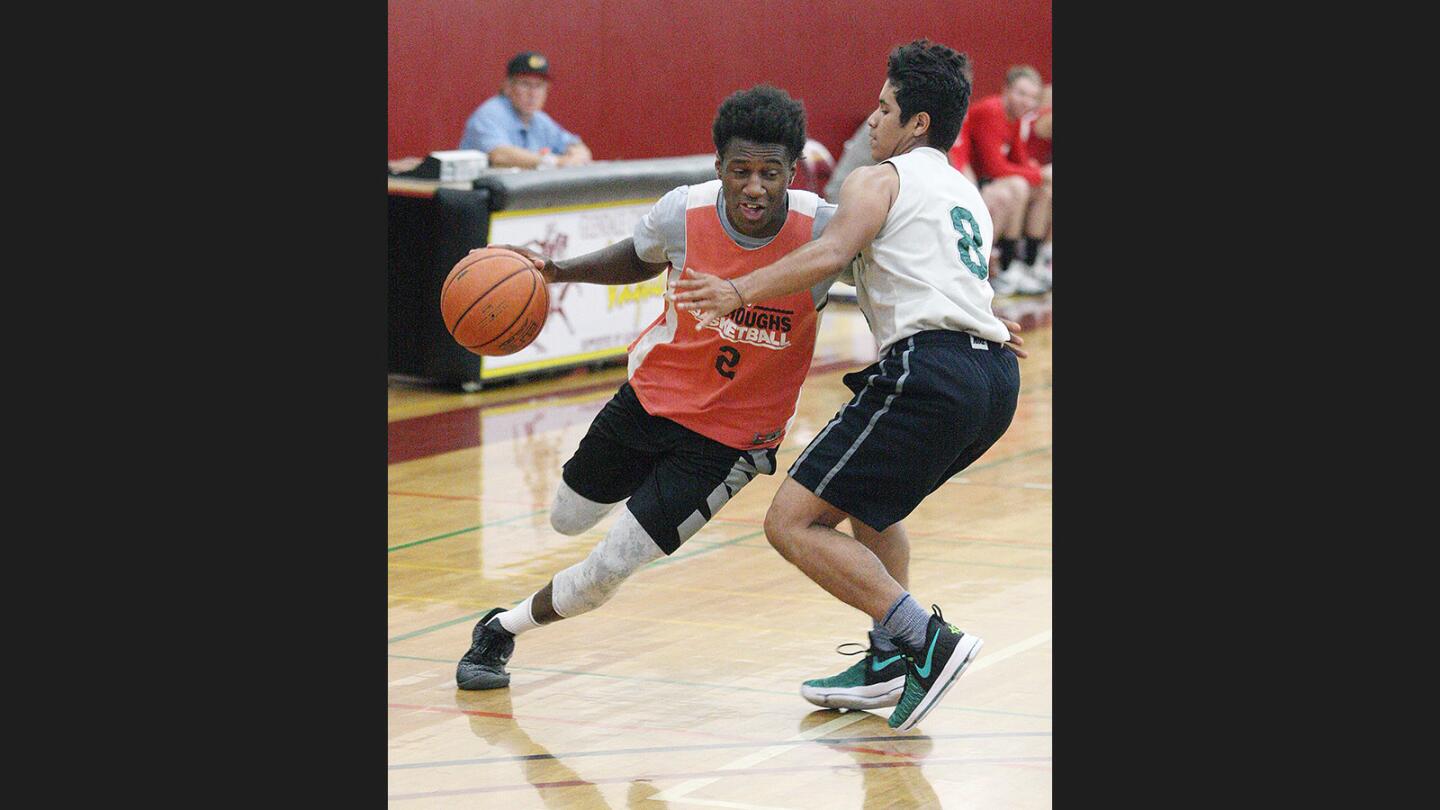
{"x": 494, "y": 302}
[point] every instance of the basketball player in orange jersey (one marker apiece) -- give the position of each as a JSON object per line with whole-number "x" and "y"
{"x": 702, "y": 411}
{"x": 944, "y": 390}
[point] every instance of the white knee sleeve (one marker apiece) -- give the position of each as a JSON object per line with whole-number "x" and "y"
{"x": 572, "y": 514}
{"x": 589, "y": 583}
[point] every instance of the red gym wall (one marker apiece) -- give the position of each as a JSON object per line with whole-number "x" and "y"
{"x": 641, "y": 78}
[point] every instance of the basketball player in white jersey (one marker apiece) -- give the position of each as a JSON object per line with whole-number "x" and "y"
{"x": 943, "y": 391}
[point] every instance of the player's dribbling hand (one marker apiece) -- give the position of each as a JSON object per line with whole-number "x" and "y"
{"x": 1015, "y": 341}
{"x": 711, "y": 295}
{"x": 544, "y": 265}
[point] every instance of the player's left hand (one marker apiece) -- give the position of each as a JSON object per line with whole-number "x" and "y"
{"x": 711, "y": 295}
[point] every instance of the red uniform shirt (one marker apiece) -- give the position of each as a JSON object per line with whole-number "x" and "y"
{"x": 993, "y": 142}
{"x": 1036, "y": 147}
{"x": 737, "y": 381}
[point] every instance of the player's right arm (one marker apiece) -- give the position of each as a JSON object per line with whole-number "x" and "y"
{"x": 616, "y": 264}
{"x": 644, "y": 255}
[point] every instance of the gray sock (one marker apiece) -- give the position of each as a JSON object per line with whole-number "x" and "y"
{"x": 907, "y": 621}
{"x": 881, "y": 640}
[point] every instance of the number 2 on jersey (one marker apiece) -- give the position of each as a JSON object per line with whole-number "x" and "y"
{"x": 972, "y": 252}
{"x": 726, "y": 361}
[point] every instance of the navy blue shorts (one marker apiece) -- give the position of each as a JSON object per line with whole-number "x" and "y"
{"x": 932, "y": 405}
{"x": 675, "y": 479}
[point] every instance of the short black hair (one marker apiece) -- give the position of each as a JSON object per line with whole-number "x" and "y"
{"x": 933, "y": 78}
{"x": 763, "y": 114}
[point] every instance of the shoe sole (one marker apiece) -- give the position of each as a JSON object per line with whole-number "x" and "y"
{"x": 485, "y": 680}
{"x": 874, "y": 696}
{"x": 948, "y": 676}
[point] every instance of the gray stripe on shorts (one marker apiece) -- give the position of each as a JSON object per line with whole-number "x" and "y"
{"x": 815, "y": 442}
{"x": 720, "y": 495}
{"x": 899, "y": 386}
{"x": 690, "y": 525}
{"x": 740, "y": 474}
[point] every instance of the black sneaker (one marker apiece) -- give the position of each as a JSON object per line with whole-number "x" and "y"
{"x": 483, "y": 667}
{"x": 931, "y": 671}
{"x": 873, "y": 682}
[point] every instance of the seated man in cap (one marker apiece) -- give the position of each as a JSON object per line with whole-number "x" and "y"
{"x": 512, "y": 128}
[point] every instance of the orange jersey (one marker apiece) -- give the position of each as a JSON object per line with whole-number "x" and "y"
{"x": 737, "y": 381}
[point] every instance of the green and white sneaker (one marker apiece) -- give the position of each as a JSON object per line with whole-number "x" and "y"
{"x": 873, "y": 682}
{"x": 931, "y": 671}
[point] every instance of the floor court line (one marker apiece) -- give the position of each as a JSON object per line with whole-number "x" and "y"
{"x": 457, "y": 532}
{"x": 571, "y": 721}
{"x": 434, "y": 495}
{"x": 788, "y": 693}
{"x": 719, "y": 803}
{"x": 510, "y": 577}
{"x": 441, "y": 626}
{"x": 683, "y": 789}
{"x": 680, "y": 791}
{"x": 853, "y": 744}
{"x": 983, "y": 661}
{"x": 656, "y": 777}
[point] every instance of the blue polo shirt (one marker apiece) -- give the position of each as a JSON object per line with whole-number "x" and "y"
{"x": 495, "y": 123}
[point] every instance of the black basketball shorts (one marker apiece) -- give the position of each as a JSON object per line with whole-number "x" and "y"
{"x": 675, "y": 479}
{"x": 925, "y": 411}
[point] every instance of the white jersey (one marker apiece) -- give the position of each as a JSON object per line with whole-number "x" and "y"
{"x": 927, "y": 267}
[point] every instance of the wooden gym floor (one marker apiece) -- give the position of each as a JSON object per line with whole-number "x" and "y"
{"x": 681, "y": 691}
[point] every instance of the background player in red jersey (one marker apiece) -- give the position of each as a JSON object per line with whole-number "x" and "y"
{"x": 997, "y": 154}
{"x": 1035, "y": 137}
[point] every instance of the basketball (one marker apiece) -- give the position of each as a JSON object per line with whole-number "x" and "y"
{"x": 494, "y": 302}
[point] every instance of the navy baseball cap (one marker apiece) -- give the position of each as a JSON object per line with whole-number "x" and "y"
{"x": 529, "y": 62}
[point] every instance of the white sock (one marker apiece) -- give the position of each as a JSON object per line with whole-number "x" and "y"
{"x": 518, "y": 619}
